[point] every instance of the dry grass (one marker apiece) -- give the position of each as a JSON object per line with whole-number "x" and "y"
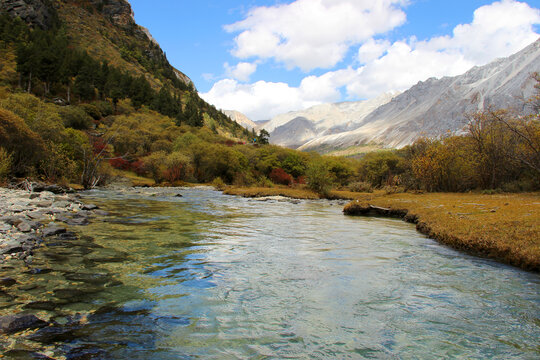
{"x": 505, "y": 227}
{"x": 297, "y": 193}
{"x": 131, "y": 179}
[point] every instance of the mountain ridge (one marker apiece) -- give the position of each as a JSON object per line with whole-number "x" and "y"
{"x": 430, "y": 108}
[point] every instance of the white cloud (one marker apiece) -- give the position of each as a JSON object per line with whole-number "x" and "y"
{"x": 263, "y": 100}
{"x": 313, "y": 34}
{"x": 372, "y": 50}
{"x": 497, "y": 30}
{"x": 242, "y": 71}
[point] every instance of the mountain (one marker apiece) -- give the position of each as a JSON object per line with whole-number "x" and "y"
{"x": 430, "y": 108}
{"x": 88, "y": 51}
{"x": 241, "y": 119}
{"x": 298, "y": 127}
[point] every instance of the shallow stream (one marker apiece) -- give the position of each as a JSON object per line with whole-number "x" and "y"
{"x": 218, "y": 277}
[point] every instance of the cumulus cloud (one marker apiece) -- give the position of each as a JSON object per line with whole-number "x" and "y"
{"x": 242, "y": 71}
{"x": 497, "y": 30}
{"x": 263, "y": 100}
{"x": 313, "y": 34}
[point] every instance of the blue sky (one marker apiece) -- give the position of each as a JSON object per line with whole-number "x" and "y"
{"x": 265, "y": 57}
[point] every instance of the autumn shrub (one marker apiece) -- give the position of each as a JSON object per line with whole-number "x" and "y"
{"x": 75, "y": 117}
{"x": 92, "y": 111}
{"x": 279, "y": 176}
{"x": 244, "y": 179}
{"x": 105, "y": 108}
{"x": 319, "y": 178}
{"x": 40, "y": 117}
{"x": 59, "y": 164}
{"x": 177, "y": 167}
{"x": 26, "y": 147}
{"x": 218, "y": 184}
{"x": 360, "y": 186}
{"x": 380, "y": 168}
{"x": 5, "y": 163}
{"x": 154, "y": 165}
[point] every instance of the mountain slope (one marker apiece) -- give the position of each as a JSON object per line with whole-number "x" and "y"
{"x": 437, "y": 106}
{"x": 241, "y": 119}
{"x": 320, "y": 120}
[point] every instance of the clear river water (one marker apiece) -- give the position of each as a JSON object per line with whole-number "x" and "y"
{"x": 211, "y": 276}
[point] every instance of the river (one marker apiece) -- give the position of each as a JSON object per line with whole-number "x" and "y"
{"x": 212, "y": 276}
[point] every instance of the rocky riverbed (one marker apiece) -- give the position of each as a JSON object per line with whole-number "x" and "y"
{"x": 27, "y": 218}
{"x": 38, "y": 245}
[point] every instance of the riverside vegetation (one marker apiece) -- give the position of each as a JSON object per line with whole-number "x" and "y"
{"x": 75, "y": 117}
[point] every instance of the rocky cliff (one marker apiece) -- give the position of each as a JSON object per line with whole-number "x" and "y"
{"x": 35, "y": 12}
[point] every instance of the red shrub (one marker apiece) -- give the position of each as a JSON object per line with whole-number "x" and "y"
{"x": 98, "y": 144}
{"x": 138, "y": 168}
{"x": 279, "y": 176}
{"x": 119, "y": 163}
{"x": 300, "y": 180}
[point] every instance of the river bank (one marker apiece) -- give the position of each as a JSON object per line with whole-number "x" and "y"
{"x": 503, "y": 227}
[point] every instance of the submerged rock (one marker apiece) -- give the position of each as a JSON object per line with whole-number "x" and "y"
{"x": 11, "y": 324}
{"x": 52, "y": 230}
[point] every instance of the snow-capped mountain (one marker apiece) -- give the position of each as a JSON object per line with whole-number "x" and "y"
{"x": 430, "y": 108}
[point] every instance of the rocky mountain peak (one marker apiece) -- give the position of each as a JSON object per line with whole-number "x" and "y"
{"x": 118, "y": 11}
{"x": 35, "y": 12}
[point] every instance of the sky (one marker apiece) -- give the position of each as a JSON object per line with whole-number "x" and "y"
{"x": 268, "y": 57}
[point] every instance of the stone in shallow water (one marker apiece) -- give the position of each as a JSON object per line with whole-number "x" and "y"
{"x": 89, "y": 207}
{"x": 11, "y": 247}
{"x": 43, "y": 305}
{"x": 78, "y": 221}
{"x": 94, "y": 278}
{"x": 26, "y": 354}
{"x": 53, "y": 230}
{"x": 11, "y": 324}
{"x": 7, "y": 282}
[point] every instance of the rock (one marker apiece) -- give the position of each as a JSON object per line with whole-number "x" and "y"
{"x": 11, "y": 247}
{"x": 4, "y": 227}
{"x": 61, "y": 204}
{"x": 12, "y": 220}
{"x": 77, "y": 221}
{"x": 10, "y": 324}
{"x": 25, "y": 354}
{"x": 7, "y": 282}
{"x": 36, "y": 215}
{"x": 54, "y": 189}
{"x": 52, "y": 230}
{"x": 42, "y": 305}
{"x": 34, "y": 12}
{"x": 89, "y": 207}
{"x": 27, "y": 226}
{"x": 44, "y": 204}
